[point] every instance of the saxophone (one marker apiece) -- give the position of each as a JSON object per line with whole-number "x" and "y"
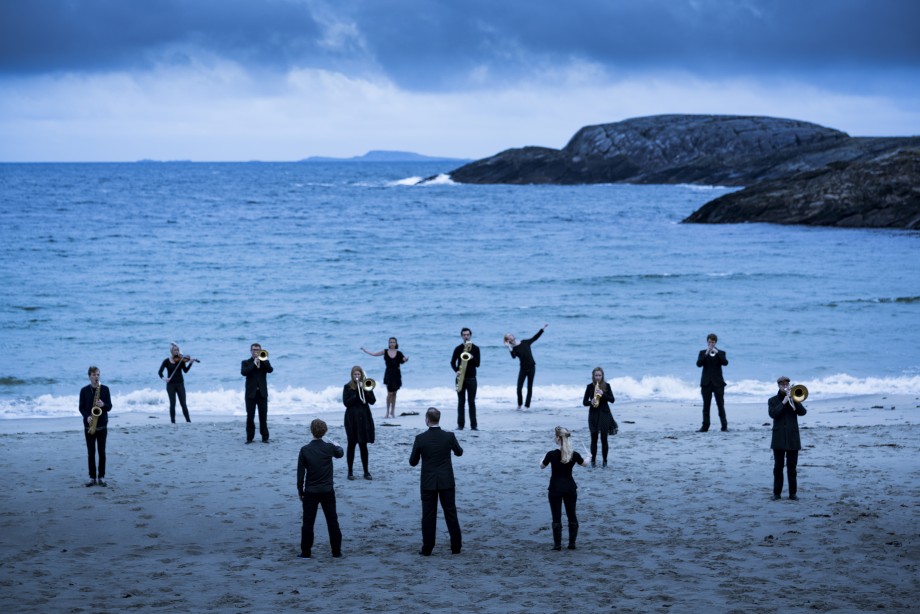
{"x": 465, "y": 357}
{"x": 96, "y": 411}
{"x": 598, "y": 393}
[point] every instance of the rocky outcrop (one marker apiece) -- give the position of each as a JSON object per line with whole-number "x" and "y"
{"x": 705, "y": 149}
{"x": 880, "y": 192}
{"x": 796, "y": 172}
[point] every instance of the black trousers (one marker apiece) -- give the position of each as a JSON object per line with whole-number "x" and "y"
{"x": 311, "y": 501}
{"x": 430, "y": 518}
{"x": 525, "y": 373}
{"x": 262, "y": 404}
{"x": 468, "y": 392}
{"x": 555, "y": 506}
{"x": 708, "y": 391}
{"x": 792, "y": 459}
{"x": 604, "y": 446}
{"x": 95, "y": 442}
{"x": 174, "y": 389}
{"x": 350, "y": 455}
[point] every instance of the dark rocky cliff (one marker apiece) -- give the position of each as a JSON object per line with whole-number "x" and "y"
{"x": 881, "y": 192}
{"x": 733, "y": 151}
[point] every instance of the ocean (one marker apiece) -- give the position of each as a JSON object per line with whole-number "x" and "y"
{"x": 106, "y": 264}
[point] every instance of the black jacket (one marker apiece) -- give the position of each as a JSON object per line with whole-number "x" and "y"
{"x": 600, "y": 418}
{"x": 86, "y": 404}
{"x": 712, "y": 368}
{"x": 315, "y": 461}
{"x": 785, "y": 423}
{"x": 433, "y": 448}
{"x": 470, "y": 366}
{"x": 256, "y": 383}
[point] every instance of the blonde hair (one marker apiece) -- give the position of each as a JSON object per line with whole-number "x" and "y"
{"x": 565, "y": 443}
{"x": 351, "y": 376}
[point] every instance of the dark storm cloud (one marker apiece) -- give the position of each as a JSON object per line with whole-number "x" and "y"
{"x": 426, "y": 44}
{"x": 97, "y": 35}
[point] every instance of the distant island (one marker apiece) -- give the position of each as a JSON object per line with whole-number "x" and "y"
{"x": 793, "y": 172}
{"x": 379, "y": 155}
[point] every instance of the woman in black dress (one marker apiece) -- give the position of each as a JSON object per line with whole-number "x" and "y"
{"x": 562, "y": 487}
{"x": 392, "y": 377}
{"x": 175, "y": 365}
{"x": 598, "y": 398}
{"x": 359, "y": 423}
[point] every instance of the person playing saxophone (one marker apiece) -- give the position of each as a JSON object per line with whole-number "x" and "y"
{"x": 598, "y": 397}
{"x": 95, "y": 404}
{"x": 466, "y": 385}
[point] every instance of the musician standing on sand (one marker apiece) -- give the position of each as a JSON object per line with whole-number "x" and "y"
{"x": 255, "y": 371}
{"x": 175, "y": 365}
{"x": 433, "y": 448}
{"x": 528, "y": 367}
{"x": 712, "y": 359}
{"x": 785, "y": 442}
{"x": 469, "y": 377}
{"x": 95, "y": 395}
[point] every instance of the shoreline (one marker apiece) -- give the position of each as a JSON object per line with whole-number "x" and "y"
{"x": 193, "y": 520}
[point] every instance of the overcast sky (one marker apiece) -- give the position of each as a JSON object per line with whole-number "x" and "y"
{"x": 119, "y": 80}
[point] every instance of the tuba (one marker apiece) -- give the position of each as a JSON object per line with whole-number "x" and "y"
{"x": 465, "y": 357}
{"x": 798, "y": 393}
{"x": 95, "y": 411}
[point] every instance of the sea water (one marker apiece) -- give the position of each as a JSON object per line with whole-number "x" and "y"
{"x": 106, "y": 264}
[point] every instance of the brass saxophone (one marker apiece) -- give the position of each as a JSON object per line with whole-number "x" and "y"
{"x": 95, "y": 411}
{"x": 598, "y": 393}
{"x": 465, "y": 357}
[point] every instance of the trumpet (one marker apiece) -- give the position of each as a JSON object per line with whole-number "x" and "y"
{"x": 95, "y": 412}
{"x": 465, "y": 358}
{"x": 263, "y": 355}
{"x": 713, "y": 351}
{"x": 798, "y": 393}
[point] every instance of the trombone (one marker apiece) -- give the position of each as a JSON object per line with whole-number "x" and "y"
{"x": 263, "y": 355}
{"x": 365, "y": 385}
{"x": 798, "y": 393}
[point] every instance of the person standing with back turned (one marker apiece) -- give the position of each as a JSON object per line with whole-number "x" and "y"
{"x": 433, "y": 448}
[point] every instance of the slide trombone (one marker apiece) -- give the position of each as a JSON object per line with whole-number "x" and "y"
{"x": 798, "y": 393}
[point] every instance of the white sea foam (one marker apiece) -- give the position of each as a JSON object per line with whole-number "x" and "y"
{"x": 406, "y": 181}
{"x": 442, "y": 179}
{"x": 299, "y": 400}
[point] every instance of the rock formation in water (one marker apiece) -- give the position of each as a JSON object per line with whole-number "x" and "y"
{"x": 732, "y": 151}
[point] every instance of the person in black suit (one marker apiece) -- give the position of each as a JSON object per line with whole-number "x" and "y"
{"x": 255, "y": 372}
{"x": 528, "y": 366}
{"x": 712, "y": 359}
{"x": 433, "y": 448}
{"x": 469, "y": 378}
{"x": 97, "y": 439}
{"x": 314, "y": 485}
{"x": 785, "y": 442}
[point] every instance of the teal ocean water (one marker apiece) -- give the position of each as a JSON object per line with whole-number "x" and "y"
{"x": 106, "y": 264}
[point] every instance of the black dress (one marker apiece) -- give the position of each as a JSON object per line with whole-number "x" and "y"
{"x": 392, "y": 377}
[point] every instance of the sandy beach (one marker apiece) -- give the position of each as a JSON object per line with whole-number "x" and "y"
{"x": 194, "y": 520}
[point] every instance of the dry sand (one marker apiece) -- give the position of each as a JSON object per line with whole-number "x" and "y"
{"x": 193, "y": 520}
